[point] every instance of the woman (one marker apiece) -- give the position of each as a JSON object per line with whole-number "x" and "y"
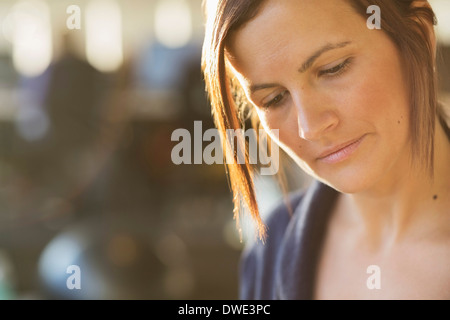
{"x": 357, "y": 109}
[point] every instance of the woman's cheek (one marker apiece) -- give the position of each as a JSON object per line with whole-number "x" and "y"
{"x": 270, "y": 123}
{"x": 277, "y": 127}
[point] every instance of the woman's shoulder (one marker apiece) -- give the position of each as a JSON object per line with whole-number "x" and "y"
{"x": 291, "y": 238}
{"x": 278, "y": 218}
{"x": 258, "y": 261}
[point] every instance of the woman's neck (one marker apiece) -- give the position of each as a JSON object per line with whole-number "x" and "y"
{"x": 407, "y": 202}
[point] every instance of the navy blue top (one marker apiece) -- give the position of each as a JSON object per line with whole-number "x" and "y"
{"x": 284, "y": 267}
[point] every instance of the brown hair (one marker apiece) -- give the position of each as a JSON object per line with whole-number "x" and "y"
{"x": 406, "y": 22}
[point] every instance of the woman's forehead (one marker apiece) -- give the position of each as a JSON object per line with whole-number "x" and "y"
{"x": 277, "y": 20}
{"x": 283, "y": 27}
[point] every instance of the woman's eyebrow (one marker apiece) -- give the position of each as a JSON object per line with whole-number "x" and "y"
{"x": 257, "y": 87}
{"x": 329, "y": 46}
{"x": 305, "y": 66}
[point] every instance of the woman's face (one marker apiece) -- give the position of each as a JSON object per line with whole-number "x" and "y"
{"x": 333, "y": 88}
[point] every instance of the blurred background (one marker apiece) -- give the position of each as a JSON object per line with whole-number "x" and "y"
{"x": 90, "y": 93}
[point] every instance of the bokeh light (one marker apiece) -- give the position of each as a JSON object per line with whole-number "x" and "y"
{"x": 173, "y": 23}
{"x": 104, "y": 35}
{"x": 28, "y": 28}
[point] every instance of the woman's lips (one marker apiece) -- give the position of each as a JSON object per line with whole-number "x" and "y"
{"x": 341, "y": 152}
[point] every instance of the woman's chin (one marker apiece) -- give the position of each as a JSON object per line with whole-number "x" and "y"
{"x": 350, "y": 179}
{"x": 347, "y": 186}
{"x": 347, "y": 189}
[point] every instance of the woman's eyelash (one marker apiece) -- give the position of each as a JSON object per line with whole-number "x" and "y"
{"x": 275, "y": 101}
{"x": 332, "y": 72}
{"x": 337, "y": 70}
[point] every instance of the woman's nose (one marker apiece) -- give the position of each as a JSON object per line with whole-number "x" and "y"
{"x": 315, "y": 118}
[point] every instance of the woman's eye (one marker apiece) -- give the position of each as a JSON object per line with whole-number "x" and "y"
{"x": 332, "y": 72}
{"x": 275, "y": 101}
{"x": 337, "y": 70}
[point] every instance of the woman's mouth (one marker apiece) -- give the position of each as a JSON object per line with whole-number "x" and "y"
{"x": 340, "y": 152}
